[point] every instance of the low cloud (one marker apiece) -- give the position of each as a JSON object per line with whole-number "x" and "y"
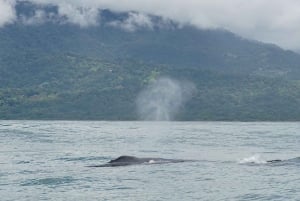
{"x": 39, "y": 17}
{"x": 82, "y": 15}
{"x": 134, "y": 22}
{"x": 275, "y": 21}
{"x": 7, "y": 12}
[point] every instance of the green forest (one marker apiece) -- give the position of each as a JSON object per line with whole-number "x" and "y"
{"x": 64, "y": 72}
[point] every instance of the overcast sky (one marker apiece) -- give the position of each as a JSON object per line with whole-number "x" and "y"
{"x": 275, "y": 21}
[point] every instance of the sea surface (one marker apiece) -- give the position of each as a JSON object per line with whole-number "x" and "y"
{"x": 48, "y": 160}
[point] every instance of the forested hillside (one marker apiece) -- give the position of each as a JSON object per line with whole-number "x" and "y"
{"x": 62, "y": 71}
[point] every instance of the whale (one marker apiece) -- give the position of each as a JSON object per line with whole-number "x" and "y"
{"x": 295, "y": 161}
{"x": 132, "y": 160}
{"x": 274, "y": 161}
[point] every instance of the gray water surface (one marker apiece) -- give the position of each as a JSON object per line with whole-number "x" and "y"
{"x": 48, "y": 160}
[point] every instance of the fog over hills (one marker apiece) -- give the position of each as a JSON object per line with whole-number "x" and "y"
{"x": 52, "y": 68}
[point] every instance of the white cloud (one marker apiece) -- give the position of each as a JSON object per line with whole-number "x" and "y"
{"x": 67, "y": 13}
{"x": 39, "y": 17}
{"x": 275, "y": 21}
{"x": 134, "y": 22}
{"x": 78, "y": 14}
{"x": 7, "y": 12}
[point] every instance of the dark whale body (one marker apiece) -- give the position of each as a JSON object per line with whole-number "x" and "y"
{"x": 274, "y": 161}
{"x": 131, "y": 160}
{"x": 292, "y": 161}
{"x": 277, "y": 162}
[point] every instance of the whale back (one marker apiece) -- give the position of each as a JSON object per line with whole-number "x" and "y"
{"x": 125, "y": 159}
{"x": 131, "y": 160}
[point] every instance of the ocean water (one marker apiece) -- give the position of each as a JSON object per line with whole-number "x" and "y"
{"x": 48, "y": 160}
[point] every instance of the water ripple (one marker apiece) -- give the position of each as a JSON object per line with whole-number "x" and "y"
{"x": 53, "y": 182}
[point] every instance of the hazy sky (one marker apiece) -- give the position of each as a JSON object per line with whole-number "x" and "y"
{"x": 275, "y": 21}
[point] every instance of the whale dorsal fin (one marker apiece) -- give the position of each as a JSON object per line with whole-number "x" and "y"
{"x": 124, "y": 159}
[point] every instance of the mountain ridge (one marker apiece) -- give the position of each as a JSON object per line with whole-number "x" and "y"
{"x": 58, "y": 70}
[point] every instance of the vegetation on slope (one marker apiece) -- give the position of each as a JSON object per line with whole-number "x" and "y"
{"x": 60, "y": 71}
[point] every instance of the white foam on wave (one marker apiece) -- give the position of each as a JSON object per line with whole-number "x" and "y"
{"x": 151, "y": 161}
{"x": 256, "y": 159}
